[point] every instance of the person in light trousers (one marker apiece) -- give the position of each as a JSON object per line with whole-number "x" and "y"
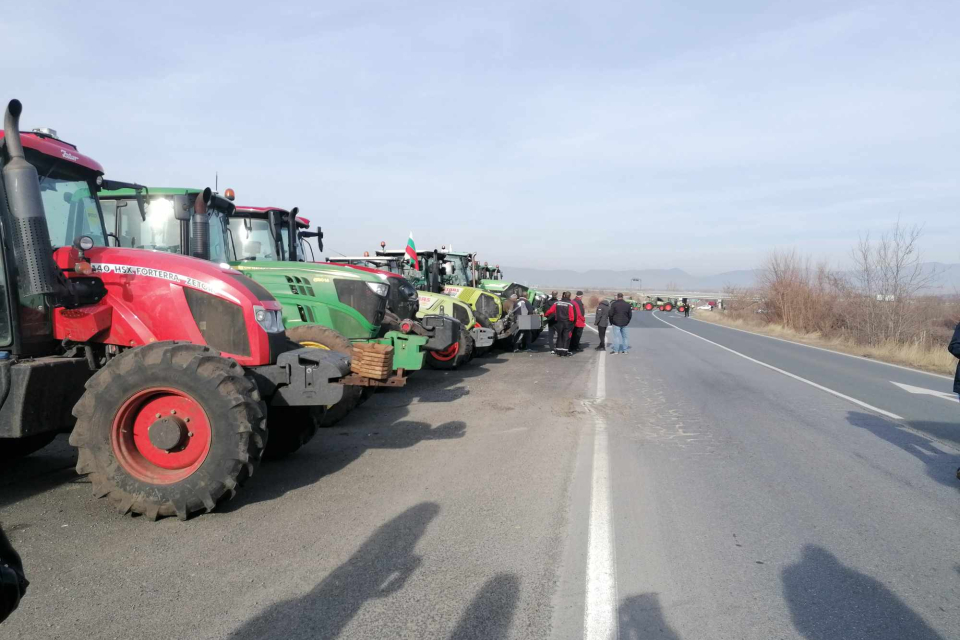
{"x": 621, "y": 313}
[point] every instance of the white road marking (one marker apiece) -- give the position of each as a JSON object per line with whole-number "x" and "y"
{"x": 600, "y": 609}
{"x": 592, "y": 329}
{"x": 839, "y": 353}
{"x": 952, "y": 397}
{"x": 786, "y": 373}
{"x": 602, "y": 376}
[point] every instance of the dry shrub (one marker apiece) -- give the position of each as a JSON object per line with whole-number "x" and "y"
{"x": 878, "y": 311}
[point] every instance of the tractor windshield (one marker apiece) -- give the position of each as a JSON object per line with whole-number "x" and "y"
{"x": 71, "y": 211}
{"x": 253, "y": 239}
{"x": 161, "y": 230}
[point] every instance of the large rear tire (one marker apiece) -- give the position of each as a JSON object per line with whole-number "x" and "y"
{"x": 315, "y": 335}
{"x": 16, "y": 448}
{"x": 169, "y": 429}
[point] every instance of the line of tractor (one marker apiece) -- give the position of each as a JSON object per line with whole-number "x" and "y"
{"x": 180, "y": 338}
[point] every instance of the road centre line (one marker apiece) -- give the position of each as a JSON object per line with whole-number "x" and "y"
{"x": 600, "y": 607}
{"x": 786, "y": 373}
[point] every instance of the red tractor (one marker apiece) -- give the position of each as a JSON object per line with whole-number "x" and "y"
{"x": 167, "y": 363}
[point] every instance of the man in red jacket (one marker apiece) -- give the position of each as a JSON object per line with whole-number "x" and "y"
{"x": 565, "y": 313}
{"x": 579, "y": 324}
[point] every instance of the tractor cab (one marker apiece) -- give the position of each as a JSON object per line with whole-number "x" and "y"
{"x": 465, "y": 272}
{"x": 165, "y": 219}
{"x": 489, "y": 273}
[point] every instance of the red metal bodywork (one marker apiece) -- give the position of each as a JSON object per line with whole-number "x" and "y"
{"x": 377, "y": 272}
{"x": 145, "y": 301}
{"x": 57, "y": 149}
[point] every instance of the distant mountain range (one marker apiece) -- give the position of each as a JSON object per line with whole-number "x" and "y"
{"x": 664, "y": 279}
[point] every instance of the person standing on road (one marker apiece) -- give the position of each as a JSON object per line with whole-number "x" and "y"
{"x": 620, "y": 316}
{"x": 580, "y": 324}
{"x": 565, "y": 314}
{"x": 551, "y": 322}
{"x": 954, "y": 348}
{"x": 686, "y": 308}
{"x": 602, "y": 320}
{"x": 521, "y": 307}
{"x": 13, "y": 583}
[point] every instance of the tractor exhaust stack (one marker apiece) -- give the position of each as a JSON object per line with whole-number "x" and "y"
{"x": 31, "y": 238}
{"x": 200, "y": 245}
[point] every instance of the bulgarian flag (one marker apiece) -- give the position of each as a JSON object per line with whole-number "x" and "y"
{"x": 412, "y": 252}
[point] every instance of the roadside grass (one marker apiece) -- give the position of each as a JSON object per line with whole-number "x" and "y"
{"x": 935, "y": 360}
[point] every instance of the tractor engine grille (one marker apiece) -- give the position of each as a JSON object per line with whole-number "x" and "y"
{"x": 357, "y": 294}
{"x": 220, "y": 322}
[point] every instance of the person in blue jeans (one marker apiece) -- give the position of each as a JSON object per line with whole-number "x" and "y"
{"x": 954, "y": 348}
{"x": 620, "y": 315}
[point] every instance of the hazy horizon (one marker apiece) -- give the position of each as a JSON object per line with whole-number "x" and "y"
{"x": 622, "y": 135}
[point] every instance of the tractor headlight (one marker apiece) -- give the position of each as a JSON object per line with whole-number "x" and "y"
{"x": 271, "y": 321}
{"x": 379, "y": 288}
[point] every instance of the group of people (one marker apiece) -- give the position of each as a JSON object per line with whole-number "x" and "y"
{"x": 567, "y": 318}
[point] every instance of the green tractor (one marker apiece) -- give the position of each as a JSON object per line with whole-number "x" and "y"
{"x": 436, "y": 274}
{"x": 326, "y": 307}
{"x": 474, "y": 339}
{"x": 468, "y": 272}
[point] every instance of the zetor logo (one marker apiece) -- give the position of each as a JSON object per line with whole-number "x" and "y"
{"x": 147, "y": 272}
{"x": 69, "y": 156}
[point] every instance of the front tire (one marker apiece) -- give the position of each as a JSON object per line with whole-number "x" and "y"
{"x": 453, "y": 356}
{"x": 169, "y": 429}
{"x": 319, "y": 336}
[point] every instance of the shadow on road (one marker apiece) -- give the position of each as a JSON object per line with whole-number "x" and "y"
{"x": 641, "y": 617}
{"x": 335, "y": 448}
{"x": 39, "y": 472}
{"x": 828, "y": 600}
{"x": 490, "y": 614}
{"x": 941, "y": 466}
{"x": 379, "y": 568}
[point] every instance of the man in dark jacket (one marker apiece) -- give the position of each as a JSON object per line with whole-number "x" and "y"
{"x": 551, "y": 322}
{"x": 602, "y": 320}
{"x": 954, "y": 348}
{"x": 13, "y": 584}
{"x": 565, "y": 314}
{"x": 620, "y": 316}
{"x": 580, "y": 324}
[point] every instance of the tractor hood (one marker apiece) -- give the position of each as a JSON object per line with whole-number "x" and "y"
{"x": 152, "y": 296}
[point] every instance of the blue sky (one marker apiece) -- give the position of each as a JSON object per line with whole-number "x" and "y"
{"x": 615, "y": 135}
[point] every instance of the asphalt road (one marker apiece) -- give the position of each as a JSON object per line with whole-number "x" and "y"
{"x": 679, "y": 491}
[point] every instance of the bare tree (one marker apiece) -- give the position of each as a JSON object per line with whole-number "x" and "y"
{"x": 888, "y": 278}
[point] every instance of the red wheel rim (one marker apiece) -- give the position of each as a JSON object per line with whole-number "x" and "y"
{"x": 166, "y": 410}
{"x": 648, "y": 306}
{"x": 667, "y": 307}
{"x": 447, "y": 354}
